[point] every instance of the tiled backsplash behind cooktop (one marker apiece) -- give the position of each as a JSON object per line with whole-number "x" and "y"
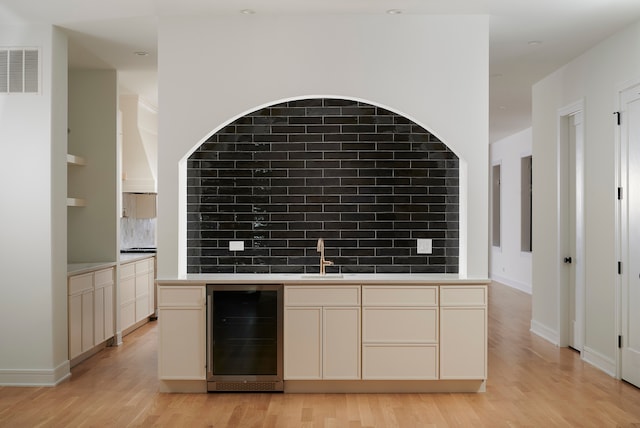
{"x": 368, "y": 181}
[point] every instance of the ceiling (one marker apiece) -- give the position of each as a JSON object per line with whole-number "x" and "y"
{"x": 528, "y": 38}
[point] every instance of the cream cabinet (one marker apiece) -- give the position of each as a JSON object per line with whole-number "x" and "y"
{"x": 322, "y": 332}
{"x": 104, "y": 326}
{"x": 463, "y": 327}
{"x": 400, "y": 332}
{"x": 139, "y": 205}
{"x": 127, "y": 295}
{"x": 181, "y": 340}
{"x": 136, "y": 291}
{"x": 90, "y": 320}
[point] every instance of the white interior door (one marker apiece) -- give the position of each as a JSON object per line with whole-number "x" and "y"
{"x": 630, "y": 239}
{"x": 575, "y": 261}
{"x": 571, "y": 227}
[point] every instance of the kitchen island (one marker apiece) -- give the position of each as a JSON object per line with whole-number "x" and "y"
{"x": 344, "y": 333}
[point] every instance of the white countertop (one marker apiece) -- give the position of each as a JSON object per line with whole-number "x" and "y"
{"x": 80, "y": 268}
{"x": 296, "y": 278}
{"x": 85, "y": 267}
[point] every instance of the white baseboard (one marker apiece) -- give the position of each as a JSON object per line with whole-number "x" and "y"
{"x": 35, "y": 377}
{"x": 545, "y": 332}
{"x": 518, "y": 285}
{"x": 596, "y": 359}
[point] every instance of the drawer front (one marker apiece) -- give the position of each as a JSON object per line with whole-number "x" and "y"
{"x": 127, "y": 290}
{"x": 180, "y": 296}
{"x": 400, "y": 296}
{"x": 143, "y": 266}
{"x": 322, "y": 295}
{"x": 463, "y": 295}
{"x": 80, "y": 283}
{"x": 142, "y": 285}
{"x": 400, "y": 362}
{"x": 104, "y": 277}
{"x": 399, "y": 325}
{"x": 127, "y": 270}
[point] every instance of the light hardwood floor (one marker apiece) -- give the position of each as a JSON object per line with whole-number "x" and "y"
{"x": 531, "y": 384}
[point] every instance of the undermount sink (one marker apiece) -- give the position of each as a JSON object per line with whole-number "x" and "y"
{"x": 318, "y": 276}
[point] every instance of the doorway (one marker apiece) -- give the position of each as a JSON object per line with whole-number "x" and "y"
{"x": 571, "y": 229}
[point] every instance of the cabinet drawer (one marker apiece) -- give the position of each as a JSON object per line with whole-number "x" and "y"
{"x": 400, "y": 362}
{"x": 322, "y": 296}
{"x": 143, "y": 266}
{"x": 127, "y": 270}
{"x": 80, "y": 283}
{"x": 180, "y": 296}
{"x": 400, "y": 325}
{"x": 127, "y": 290}
{"x": 104, "y": 277}
{"x": 142, "y": 285}
{"x": 400, "y": 296}
{"x": 463, "y": 296}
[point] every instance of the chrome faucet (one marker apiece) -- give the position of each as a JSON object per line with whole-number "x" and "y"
{"x": 323, "y": 263}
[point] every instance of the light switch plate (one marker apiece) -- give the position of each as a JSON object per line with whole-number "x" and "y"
{"x": 236, "y": 245}
{"x": 425, "y": 246}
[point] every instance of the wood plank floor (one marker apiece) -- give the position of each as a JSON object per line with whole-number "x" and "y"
{"x": 531, "y": 384}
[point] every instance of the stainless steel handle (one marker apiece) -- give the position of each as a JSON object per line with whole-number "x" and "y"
{"x": 209, "y": 326}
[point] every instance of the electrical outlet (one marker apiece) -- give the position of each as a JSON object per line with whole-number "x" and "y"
{"x": 236, "y": 245}
{"x": 425, "y": 246}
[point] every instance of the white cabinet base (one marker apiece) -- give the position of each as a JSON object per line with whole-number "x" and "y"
{"x": 382, "y": 386}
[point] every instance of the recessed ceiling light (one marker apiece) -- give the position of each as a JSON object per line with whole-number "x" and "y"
{"x": 534, "y": 42}
{"x": 141, "y": 53}
{"x": 247, "y": 11}
{"x": 394, "y": 11}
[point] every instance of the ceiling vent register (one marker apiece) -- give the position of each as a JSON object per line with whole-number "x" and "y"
{"x": 19, "y": 70}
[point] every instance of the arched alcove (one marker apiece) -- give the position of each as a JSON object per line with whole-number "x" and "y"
{"x": 368, "y": 181}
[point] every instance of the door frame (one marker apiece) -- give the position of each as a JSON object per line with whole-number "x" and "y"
{"x": 563, "y": 116}
{"x": 622, "y": 232}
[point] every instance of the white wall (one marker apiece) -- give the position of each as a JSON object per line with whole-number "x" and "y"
{"x": 509, "y": 264}
{"x": 33, "y": 288}
{"x": 596, "y": 77}
{"x": 432, "y": 69}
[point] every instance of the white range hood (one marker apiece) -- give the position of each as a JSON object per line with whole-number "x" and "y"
{"x": 139, "y": 145}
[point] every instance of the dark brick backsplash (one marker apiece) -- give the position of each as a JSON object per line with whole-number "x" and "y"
{"x": 368, "y": 181}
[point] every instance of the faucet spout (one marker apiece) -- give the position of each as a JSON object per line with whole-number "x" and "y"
{"x": 323, "y": 263}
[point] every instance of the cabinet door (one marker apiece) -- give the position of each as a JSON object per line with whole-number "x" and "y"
{"x": 302, "y": 343}
{"x": 142, "y": 301}
{"x": 181, "y": 344}
{"x": 181, "y": 333}
{"x": 98, "y": 318}
{"x": 142, "y": 290}
{"x": 75, "y": 325}
{"x": 463, "y": 343}
{"x": 463, "y": 332}
{"x": 103, "y": 316}
{"x": 341, "y": 343}
{"x": 87, "y": 320}
{"x": 127, "y": 295}
{"x": 152, "y": 287}
{"x": 109, "y": 310}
